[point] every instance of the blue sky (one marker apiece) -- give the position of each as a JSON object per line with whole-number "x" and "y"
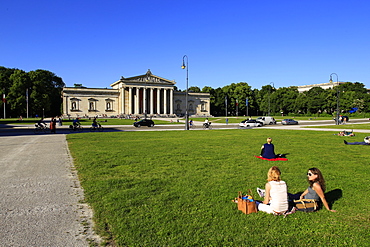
{"x": 287, "y": 42}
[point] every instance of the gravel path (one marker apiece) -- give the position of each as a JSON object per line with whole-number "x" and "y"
{"x": 40, "y": 194}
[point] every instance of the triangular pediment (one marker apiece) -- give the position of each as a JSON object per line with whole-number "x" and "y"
{"x": 148, "y": 78}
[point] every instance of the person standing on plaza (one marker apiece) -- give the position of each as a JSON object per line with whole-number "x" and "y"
{"x": 53, "y": 125}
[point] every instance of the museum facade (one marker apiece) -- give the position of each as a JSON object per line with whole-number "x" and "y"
{"x": 146, "y": 94}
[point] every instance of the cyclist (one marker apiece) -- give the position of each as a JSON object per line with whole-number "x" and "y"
{"x": 41, "y": 124}
{"x": 76, "y": 123}
{"x": 95, "y": 124}
{"x": 207, "y": 123}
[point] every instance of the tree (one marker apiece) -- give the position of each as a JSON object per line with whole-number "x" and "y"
{"x": 300, "y": 104}
{"x": 5, "y": 84}
{"x": 316, "y": 99}
{"x": 207, "y": 89}
{"x": 263, "y": 98}
{"x": 44, "y": 91}
{"x": 237, "y": 93}
{"x": 283, "y": 100}
{"x": 17, "y": 92}
{"x": 218, "y": 106}
{"x": 194, "y": 89}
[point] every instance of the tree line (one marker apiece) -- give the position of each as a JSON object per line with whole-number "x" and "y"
{"x": 40, "y": 91}
{"x": 240, "y": 99}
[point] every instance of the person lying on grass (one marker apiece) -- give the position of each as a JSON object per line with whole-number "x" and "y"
{"x": 315, "y": 190}
{"x": 276, "y": 199}
{"x": 365, "y": 142}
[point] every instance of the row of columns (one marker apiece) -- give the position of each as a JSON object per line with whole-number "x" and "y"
{"x": 137, "y": 103}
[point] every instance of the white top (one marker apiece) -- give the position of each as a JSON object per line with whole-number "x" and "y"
{"x": 279, "y": 196}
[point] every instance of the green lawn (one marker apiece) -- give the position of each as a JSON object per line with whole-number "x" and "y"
{"x": 174, "y": 188}
{"x": 347, "y": 127}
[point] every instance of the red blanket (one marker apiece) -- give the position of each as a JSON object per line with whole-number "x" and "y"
{"x": 276, "y": 159}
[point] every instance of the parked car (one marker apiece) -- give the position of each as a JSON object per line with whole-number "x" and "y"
{"x": 250, "y": 123}
{"x": 144, "y": 122}
{"x": 266, "y": 120}
{"x": 289, "y": 122}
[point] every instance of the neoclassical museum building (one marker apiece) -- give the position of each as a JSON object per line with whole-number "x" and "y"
{"x": 134, "y": 96}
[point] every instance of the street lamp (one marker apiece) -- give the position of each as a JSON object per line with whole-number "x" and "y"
{"x": 331, "y": 81}
{"x": 187, "y": 85}
{"x": 270, "y": 95}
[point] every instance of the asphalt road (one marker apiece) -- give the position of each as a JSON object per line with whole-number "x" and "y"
{"x": 29, "y": 130}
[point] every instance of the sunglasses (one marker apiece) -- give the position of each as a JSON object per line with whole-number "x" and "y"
{"x": 310, "y": 174}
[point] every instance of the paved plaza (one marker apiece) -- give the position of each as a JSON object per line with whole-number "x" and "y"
{"x": 40, "y": 194}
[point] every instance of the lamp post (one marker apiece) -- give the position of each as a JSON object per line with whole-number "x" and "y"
{"x": 337, "y": 111}
{"x": 27, "y": 100}
{"x": 270, "y": 95}
{"x": 187, "y": 85}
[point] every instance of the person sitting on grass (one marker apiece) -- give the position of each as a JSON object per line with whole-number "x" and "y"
{"x": 268, "y": 150}
{"x": 275, "y": 196}
{"x": 315, "y": 190}
{"x": 365, "y": 142}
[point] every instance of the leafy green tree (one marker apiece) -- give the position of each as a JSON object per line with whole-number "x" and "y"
{"x": 194, "y": 89}
{"x": 237, "y": 93}
{"x": 207, "y": 89}
{"x": 283, "y": 100}
{"x": 46, "y": 92}
{"x": 316, "y": 99}
{"x": 216, "y": 106}
{"x": 5, "y": 84}
{"x": 17, "y": 92}
{"x": 263, "y": 99}
{"x": 301, "y": 102}
{"x": 43, "y": 87}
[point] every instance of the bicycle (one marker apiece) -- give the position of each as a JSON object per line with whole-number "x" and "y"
{"x": 98, "y": 128}
{"x": 73, "y": 128}
{"x": 207, "y": 126}
{"x": 40, "y": 128}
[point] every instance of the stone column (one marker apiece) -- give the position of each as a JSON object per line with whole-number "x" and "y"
{"x": 137, "y": 96}
{"x": 66, "y": 100}
{"x": 129, "y": 100}
{"x": 137, "y": 100}
{"x": 151, "y": 100}
{"x": 158, "y": 101}
{"x": 144, "y": 100}
{"x": 171, "y": 101}
{"x": 123, "y": 100}
{"x": 165, "y": 101}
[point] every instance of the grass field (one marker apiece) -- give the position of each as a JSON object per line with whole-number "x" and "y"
{"x": 347, "y": 127}
{"x": 175, "y": 188}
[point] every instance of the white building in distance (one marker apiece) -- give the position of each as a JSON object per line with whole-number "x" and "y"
{"x": 146, "y": 94}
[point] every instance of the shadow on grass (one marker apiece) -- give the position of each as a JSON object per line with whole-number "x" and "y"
{"x": 283, "y": 155}
{"x": 332, "y": 196}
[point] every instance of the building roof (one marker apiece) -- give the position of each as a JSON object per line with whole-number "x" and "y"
{"x": 147, "y": 78}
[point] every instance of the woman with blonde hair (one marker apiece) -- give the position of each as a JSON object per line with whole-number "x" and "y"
{"x": 276, "y": 196}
